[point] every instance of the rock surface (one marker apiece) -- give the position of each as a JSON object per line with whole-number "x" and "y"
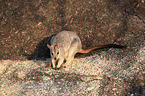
{"x": 116, "y": 72}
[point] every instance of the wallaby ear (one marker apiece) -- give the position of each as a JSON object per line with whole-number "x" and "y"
{"x": 50, "y": 47}
{"x": 59, "y": 45}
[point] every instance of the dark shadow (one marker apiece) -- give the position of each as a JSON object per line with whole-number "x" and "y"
{"x": 41, "y": 52}
{"x": 56, "y": 76}
{"x": 137, "y": 91}
{"x": 37, "y": 75}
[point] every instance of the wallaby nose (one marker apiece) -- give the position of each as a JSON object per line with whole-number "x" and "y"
{"x": 55, "y": 58}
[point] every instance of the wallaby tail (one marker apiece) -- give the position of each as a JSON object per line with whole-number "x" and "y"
{"x": 102, "y": 47}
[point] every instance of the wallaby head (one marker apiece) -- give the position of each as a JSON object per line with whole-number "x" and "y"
{"x": 55, "y": 53}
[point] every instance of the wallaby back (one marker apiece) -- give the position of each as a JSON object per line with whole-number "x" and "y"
{"x": 65, "y": 38}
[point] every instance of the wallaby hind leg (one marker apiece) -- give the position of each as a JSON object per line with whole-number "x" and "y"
{"x": 72, "y": 51}
{"x": 69, "y": 58}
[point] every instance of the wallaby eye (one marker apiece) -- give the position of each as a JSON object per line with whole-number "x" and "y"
{"x": 57, "y": 53}
{"x": 51, "y": 53}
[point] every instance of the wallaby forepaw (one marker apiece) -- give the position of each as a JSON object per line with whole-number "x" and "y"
{"x": 61, "y": 67}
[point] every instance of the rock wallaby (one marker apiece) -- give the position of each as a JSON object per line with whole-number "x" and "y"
{"x": 65, "y": 45}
